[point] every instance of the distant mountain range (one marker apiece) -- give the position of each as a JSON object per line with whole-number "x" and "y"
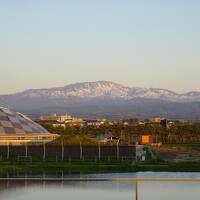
{"x": 106, "y": 99}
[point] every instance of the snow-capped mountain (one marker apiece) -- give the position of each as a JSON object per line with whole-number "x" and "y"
{"x": 107, "y": 89}
{"x": 105, "y": 99}
{"x": 86, "y": 89}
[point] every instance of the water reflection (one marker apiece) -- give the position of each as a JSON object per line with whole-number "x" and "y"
{"x": 169, "y": 191}
{"x": 21, "y": 190}
{"x": 103, "y": 190}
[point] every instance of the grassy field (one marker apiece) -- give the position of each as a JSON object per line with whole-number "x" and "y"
{"x": 77, "y": 166}
{"x": 155, "y": 163}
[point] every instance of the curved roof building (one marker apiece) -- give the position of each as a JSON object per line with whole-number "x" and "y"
{"x": 18, "y": 129}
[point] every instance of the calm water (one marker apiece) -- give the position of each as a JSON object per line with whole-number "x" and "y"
{"x": 107, "y": 190}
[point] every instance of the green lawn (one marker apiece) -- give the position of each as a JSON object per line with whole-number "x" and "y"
{"x": 93, "y": 167}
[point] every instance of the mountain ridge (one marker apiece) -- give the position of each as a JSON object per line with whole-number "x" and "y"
{"x": 110, "y": 89}
{"x": 106, "y": 99}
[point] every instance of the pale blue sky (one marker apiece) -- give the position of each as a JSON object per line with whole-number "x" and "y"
{"x": 147, "y": 43}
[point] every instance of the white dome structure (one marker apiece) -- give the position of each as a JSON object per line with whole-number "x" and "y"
{"x": 18, "y": 129}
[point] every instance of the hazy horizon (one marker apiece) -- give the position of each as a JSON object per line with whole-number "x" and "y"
{"x": 47, "y": 43}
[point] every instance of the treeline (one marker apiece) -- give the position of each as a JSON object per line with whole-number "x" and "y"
{"x": 124, "y": 132}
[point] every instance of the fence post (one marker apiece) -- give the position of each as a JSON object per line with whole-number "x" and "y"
{"x": 109, "y": 158}
{"x": 8, "y": 151}
{"x": 117, "y": 150}
{"x": 63, "y": 151}
{"x": 81, "y": 151}
{"x": 44, "y": 151}
{"x": 136, "y": 153}
{"x": 26, "y": 150}
{"x": 99, "y": 151}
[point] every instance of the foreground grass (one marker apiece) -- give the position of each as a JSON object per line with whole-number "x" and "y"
{"x": 94, "y": 167}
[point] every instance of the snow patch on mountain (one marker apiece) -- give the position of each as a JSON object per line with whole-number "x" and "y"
{"x": 107, "y": 89}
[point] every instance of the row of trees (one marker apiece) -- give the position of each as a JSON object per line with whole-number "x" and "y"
{"x": 88, "y": 134}
{"x": 125, "y": 130}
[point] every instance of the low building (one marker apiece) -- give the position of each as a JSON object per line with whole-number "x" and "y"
{"x": 61, "y": 120}
{"x": 159, "y": 120}
{"x": 55, "y": 117}
{"x": 170, "y": 124}
{"x": 141, "y": 123}
{"x": 93, "y": 122}
{"x": 156, "y": 119}
{"x": 54, "y": 123}
{"x": 108, "y": 138}
{"x": 75, "y": 123}
{"x": 125, "y": 123}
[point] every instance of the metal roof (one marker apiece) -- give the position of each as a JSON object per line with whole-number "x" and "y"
{"x": 12, "y": 123}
